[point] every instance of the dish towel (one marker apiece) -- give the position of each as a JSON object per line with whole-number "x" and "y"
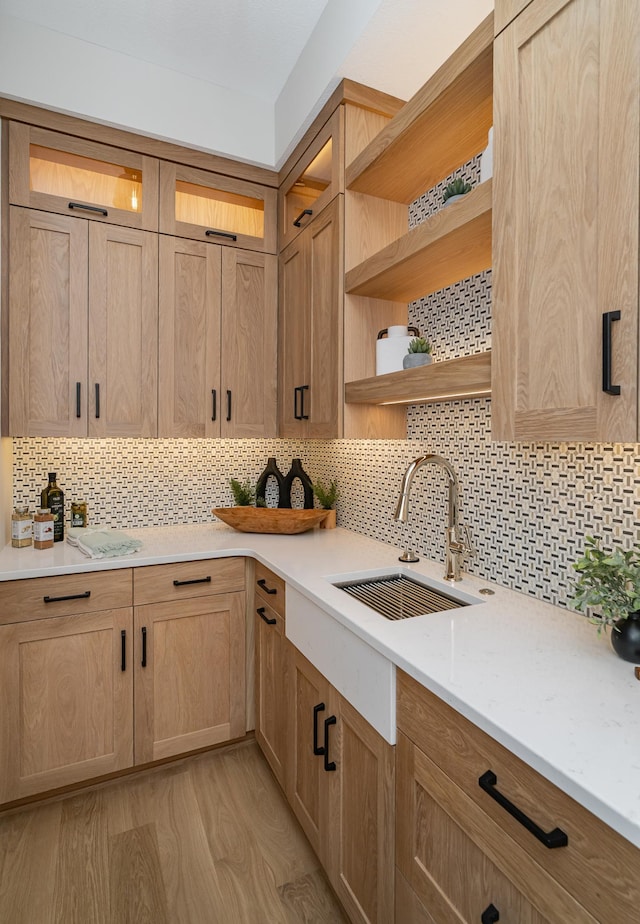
{"x": 102, "y": 543}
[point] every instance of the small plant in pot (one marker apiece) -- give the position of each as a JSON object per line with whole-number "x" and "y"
{"x": 244, "y": 494}
{"x": 608, "y": 592}
{"x": 419, "y": 353}
{"x": 454, "y": 190}
{"x": 327, "y": 498}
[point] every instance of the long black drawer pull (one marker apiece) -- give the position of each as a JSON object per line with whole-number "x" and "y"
{"x": 228, "y": 404}
{"x": 123, "y": 650}
{"x": 88, "y": 208}
{"x": 328, "y": 764}
{"x": 556, "y": 838}
{"x": 205, "y": 580}
{"x": 317, "y": 750}
{"x": 268, "y": 590}
{"x": 607, "y": 362}
{"x": 296, "y": 412}
{"x": 490, "y": 915}
{"x": 84, "y": 596}
{"x": 143, "y": 662}
{"x": 213, "y": 232}
{"x": 78, "y": 399}
{"x": 303, "y": 416}
{"x": 97, "y": 400}
{"x": 304, "y": 212}
{"x": 214, "y": 404}
{"x": 261, "y": 613}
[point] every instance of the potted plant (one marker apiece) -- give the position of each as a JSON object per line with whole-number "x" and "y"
{"x": 327, "y": 498}
{"x": 608, "y": 591}
{"x": 419, "y": 353}
{"x": 456, "y": 189}
{"x": 244, "y": 495}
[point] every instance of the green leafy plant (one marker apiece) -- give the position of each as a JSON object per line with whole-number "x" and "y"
{"x": 326, "y": 496}
{"x": 244, "y": 495}
{"x": 456, "y": 187}
{"x": 420, "y": 345}
{"x": 608, "y": 582}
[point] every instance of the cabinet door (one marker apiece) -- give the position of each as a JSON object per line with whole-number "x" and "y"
{"x": 189, "y": 351}
{"x": 190, "y": 680}
{"x": 293, "y": 331}
{"x": 47, "y": 324}
{"x": 66, "y": 685}
{"x": 565, "y": 222}
{"x": 123, "y": 331}
{"x": 271, "y": 687}
{"x": 249, "y": 344}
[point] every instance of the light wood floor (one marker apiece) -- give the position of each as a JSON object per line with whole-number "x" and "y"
{"x": 210, "y": 840}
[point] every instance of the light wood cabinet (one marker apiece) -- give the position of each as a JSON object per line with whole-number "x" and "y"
{"x": 565, "y": 279}
{"x": 218, "y": 341}
{"x": 272, "y": 669}
{"x": 82, "y": 328}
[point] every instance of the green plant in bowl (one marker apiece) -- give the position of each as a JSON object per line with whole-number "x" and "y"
{"x": 326, "y": 496}
{"x": 244, "y": 494}
{"x": 455, "y": 188}
{"x": 608, "y": 582}
{"x": 420, "y": 345}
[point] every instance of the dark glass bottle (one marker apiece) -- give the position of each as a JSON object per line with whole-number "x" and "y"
{"x": 296, "y": 471}
{"x": 271, "y": 471}
{"x": 53, "y": 497}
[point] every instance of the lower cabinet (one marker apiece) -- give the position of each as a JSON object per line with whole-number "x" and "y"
{"x": 272, "y": 664}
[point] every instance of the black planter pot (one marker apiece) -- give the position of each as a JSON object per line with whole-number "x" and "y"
{"x": 625, "y": 638}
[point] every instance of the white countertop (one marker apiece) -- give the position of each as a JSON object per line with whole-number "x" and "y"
{"x": 537, "y": 678}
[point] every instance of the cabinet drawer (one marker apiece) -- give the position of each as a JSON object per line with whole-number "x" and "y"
{"x": 270, "y": 589}
{"x": 598, "y": 866}
{"x": 159, "y": 583}
{"x": 64, "y": 595}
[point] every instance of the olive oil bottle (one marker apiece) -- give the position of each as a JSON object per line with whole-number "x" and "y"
{"x": 53, "y": 498}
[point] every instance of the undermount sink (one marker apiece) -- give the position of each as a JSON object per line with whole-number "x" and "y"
{"x": 400, "y": 594}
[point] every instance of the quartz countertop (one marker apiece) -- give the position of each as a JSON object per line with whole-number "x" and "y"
{"x": 537, "y": 678}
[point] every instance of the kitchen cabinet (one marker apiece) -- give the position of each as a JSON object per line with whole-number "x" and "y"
{"x": 217, "y": 341}
{"x": 82, "y": 327}
{"x": 565, "y": 223}
{"x": 272, "y": 666}
{"x": 340, "y": 786}
{"x": 461, "y": 849}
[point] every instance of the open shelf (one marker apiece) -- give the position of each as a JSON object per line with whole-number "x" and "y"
{"x": 449, "y": 246}
{"x": 466, "y": 377}
{"x": 444, "y": 125}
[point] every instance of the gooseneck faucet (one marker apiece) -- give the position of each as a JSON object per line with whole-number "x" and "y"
{"x": 457, "y": 536}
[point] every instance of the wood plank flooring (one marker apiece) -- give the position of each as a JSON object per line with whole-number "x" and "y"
{"x": 209, "y": 840}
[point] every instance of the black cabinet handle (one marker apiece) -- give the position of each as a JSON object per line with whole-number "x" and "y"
{"x": 97, "y": 400}
{"x": 213, "y": 232}
{"x": 84, "y": 596}
{"x": 123, "y": 650}
{"x": 328, "y": 764}
{"x": 303, "y": 416}
{"x": 607, "y": 361}
{"x": 78, "y": 399}
{"x": 205, "y": 580}
{"x": 304, "y": 212}
{"x": 556, "y": 838}
{"x": 214, "y": 404}
{"x": 261, "y": 613}
{"x": 228, "y": 405}
{"x": 268, "y": 590}
{"x": 317, "y": 750}
{"x": 490, "y": 915}
{"x": 88, "y": 208}
{"x": 143, "y": 662}
{"x": 296, "y": 413}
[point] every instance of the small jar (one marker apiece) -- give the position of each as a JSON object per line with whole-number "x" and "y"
{"x": 43, "y": 529}
{"x": 79, "y": 513}
{"x": 21, "y": 528}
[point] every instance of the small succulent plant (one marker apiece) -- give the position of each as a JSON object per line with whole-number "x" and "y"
{"x": 456, "y": 187}
{"x": 420, "y": 345}
{"x": 326, "y": 496}
{"x": 244, "y": 495}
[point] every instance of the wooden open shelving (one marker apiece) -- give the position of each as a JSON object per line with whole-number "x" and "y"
{"x": 465, "y": 377}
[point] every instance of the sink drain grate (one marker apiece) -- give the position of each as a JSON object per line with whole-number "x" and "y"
{"x": 399, "y": 597}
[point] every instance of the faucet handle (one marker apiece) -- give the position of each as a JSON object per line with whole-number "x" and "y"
{"x": 465, "y": 541}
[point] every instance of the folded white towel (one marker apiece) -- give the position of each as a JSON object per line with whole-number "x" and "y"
{"x": 102, "y": 543}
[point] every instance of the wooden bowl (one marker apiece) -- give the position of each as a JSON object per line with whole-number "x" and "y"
{"x": 269, "y": 519}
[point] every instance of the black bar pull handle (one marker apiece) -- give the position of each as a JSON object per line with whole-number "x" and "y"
{"x": 298, "y": 220}
{"x": 88, "y": 208}
{"x": 78, "y": 399}
{"x": 261, "y": 613}
{"x": 97, "y": 400}
{"x": 213, "y": 232}
{"x": 84, "y": 596}
{"x": 228, "y": 404}
{"x": 214, "y": 403}
{"x": 607, "y": 352}
{"x": 143, "y": 662}
{"x": 490, "y": 915}
{"x": 268, "y": 590}
{"x": 556, "y": 838}
{"x": 204, "y": 580}
{"x": 303, "y": 416}
{"x": 123, "y": 650}
{"x": 296, "y": 412}
{"x": 317, "y": 750}
{"x": 328, "y": 764}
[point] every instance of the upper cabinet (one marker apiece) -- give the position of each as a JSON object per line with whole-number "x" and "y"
{"x": 59, "y": 173}
{"x": 565, "y": 222}
{"x": 211, "y": 207}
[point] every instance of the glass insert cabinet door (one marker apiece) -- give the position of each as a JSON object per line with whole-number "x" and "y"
{"x": 73, "y": 176}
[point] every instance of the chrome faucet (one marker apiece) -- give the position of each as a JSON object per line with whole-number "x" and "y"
{"x": 457, "y": 535}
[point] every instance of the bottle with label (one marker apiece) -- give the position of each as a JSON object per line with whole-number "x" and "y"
{"x": 79, "y": 513}
{"x": 43, "y": 529}
{"x": 53, "y": 498}
{"x": 21, "y": 527}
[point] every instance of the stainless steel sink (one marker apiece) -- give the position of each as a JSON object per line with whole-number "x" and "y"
{"x": 398, "y": 596}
